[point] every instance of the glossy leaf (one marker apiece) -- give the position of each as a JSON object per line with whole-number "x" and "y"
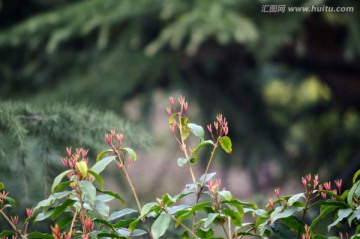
{"x": 100, "y": 155}
{"x": 121, "y": 213}
{"x": 202, "y": 144}
{"x": 63, "y": 222}
{"x": 342, "y": 213}
{"x": 131, "y": 153}
{"x": 295, "y": 198}
{"x": 105, "y": 223}
{"x": 168, "y": 200}
{"x": 226, "y": 144}
{"x": 2, "y": 186}
{"x": 102, "y": 208}
{"x": 324, "y": 210}
{"x": 279, "y": 212}
{"x": 97, "y": 177}
{"x": 160, "y": 225}
{"x": 61, "y": 208}
{"x": 59, "y": 178}
{"x": 197, "y": 130}
{"x": 10, "y": 200}
{"x": 101, "y": 165}
{"x": 147, "y": 207}
{"x": 115, "y": 195}
{"x": 43, "y": 215}
{"x": 88, "y": 190}
{"x": 210, "y": 218}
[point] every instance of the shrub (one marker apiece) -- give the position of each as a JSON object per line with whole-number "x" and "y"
{"x": 78, "y": 204}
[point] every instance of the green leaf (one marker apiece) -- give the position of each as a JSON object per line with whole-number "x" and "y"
{"x": 102, "y": 208}
{"x": 350, "y": 196}
{"x": 324, "y": 210}
{"x": 226, "y": 195}
{"x": 210, "y": 218}
{"x": 121, "y": 213}
{"x": 131, "y": 153}
{"x": 101, "y": 165}
{"x": 160, "y": 225}
{"x": 6, "y": 233}
{"x": 294, "y": 223}
{"x": 234, "y": 215}
{"x": 134, "y": 224}
{"x": 197, "y": 130}
{"x": 202, "y": 144}
{"x": 62, "y": 186}
{"x": 115, "y": 195}
{"x": 83, "y": 168}
{"x": 97, "y": 177}
{"x": 342, "y": 213}
{"x": 58, "y": 179}
{"x": 44, "y": 215}
{"x": 100, "y": 155}
{"x": 88, "y": 191}
{"x": 146, "y": 208}
{"x": 168, "y": 200}
{"x": 195, "y": 208}
{"x": 282, "y": 231}
{"x": 39, "y": 235}
{"x": 205, "y": 233}
{"x": 279, "y": 213}
{"x": 124, "y": 223}
{"x": 138, "y": 233}
{"x": 10, "y": 200}
{"x": 61, "y": 208}
{"x": 63, "y": 222}
{"x": 171, "y": 118}
{"x": 104, "y": 222}
{"x": 226, "y": 144}
{"x": 2, "y": 186}
{"x": 182, "y": 161}
{"x": 295, "y": 198}
{"x": 356, "y": 175}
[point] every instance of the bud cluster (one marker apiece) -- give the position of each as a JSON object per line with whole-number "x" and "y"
{"x": 220, "y": 126}
{"x": 72, "y": 162}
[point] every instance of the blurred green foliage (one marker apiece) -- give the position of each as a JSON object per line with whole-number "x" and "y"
{"x": 287, "y": 82}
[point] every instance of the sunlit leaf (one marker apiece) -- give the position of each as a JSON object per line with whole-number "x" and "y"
{"x": 83, "y": 168}
{"x": 226, "y": 144}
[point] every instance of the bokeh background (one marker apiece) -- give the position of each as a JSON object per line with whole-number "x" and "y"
{"x": 288, "y": 83}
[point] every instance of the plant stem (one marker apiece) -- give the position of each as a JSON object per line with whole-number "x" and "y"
{"x": 134, "y": 193}
{"x": 208, "y": 165}
{"x": 183, "y": 148}
{"x": 72, "y": 224}
{"x": 10, "y": 222}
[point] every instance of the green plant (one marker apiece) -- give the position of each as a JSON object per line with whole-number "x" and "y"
{"x": 78, "y": 204}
